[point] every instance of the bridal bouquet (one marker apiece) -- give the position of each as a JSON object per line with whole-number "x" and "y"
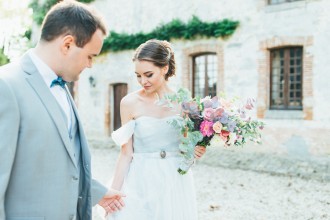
{"x": 205, "y": 118}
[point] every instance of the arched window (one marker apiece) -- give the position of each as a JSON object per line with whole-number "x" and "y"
{"x": 205, "y": 74}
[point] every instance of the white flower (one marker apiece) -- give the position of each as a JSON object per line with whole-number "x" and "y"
{"x": 232, "y": 138}
{"x": 217, "y": 127}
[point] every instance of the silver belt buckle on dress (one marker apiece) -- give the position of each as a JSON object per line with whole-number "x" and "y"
{"x": 162, "y": 154}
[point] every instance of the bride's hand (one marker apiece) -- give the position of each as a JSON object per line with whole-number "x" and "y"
{"x": 199, "y": 151}
{"x": 112, "y": 201}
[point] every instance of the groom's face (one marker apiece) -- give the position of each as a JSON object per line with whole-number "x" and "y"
{"x": 77, "y": 58}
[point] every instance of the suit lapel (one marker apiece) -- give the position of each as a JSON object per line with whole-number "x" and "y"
{"x": 49, "y": 101}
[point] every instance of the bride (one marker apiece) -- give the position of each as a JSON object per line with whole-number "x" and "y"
{"x": 146, "y": 170}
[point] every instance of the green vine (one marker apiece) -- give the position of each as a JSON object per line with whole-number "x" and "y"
{"x": 40, "y": 10}
{"x": 176, "y": 29}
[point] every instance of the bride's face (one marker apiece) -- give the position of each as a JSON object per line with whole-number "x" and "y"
{"x": 149, "y": 76}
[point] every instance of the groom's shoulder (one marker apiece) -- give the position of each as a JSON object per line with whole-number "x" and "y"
{"x": 10, "y": 69}
{"x": 11, "y": 74}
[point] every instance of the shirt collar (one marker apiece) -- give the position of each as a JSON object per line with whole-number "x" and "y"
{"x": 45, "y": 71}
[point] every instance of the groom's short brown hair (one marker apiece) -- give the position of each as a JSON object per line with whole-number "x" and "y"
{"x": 72, "y": 18}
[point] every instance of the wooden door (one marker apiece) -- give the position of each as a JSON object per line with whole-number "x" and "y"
{"x": 119, "y": 91}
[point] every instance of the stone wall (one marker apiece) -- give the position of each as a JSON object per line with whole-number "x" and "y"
{"x": 243, "y": 64}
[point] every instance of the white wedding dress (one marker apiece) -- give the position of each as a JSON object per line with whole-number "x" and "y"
{"x": 153, "y": 187}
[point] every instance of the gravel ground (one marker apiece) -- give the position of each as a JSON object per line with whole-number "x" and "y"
{"x": 235, "y": 194}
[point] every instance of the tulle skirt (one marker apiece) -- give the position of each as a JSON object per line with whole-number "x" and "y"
{"x": 156, "y": 191}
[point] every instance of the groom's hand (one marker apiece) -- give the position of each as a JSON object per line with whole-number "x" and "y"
{"x": 112, "y": 201}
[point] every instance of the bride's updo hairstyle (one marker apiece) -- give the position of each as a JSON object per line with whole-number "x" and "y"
{"x": 159, "y": 53}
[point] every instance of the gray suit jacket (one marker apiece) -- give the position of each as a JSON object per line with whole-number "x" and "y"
{"x": 38, "y": 174}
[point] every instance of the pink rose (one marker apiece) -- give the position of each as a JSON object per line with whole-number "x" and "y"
{"x": 208, "y": 114}
{"x": 206, "y": 128}
{"x": 217, "y": 127}
{"x": 218, "y": 112}
{"x": 226, "y": 104}
{"x": 250, "y": 103}
{"x": 225, "y": 133}
{"x": 205, "y": 99}
{"x": 223, "y": 138}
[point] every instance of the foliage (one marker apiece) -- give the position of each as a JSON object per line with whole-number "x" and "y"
{"x": 28, "y": 33}
{"x": 3, "y": 58}
{"x": 86, "y": 1}
{"x": 176, "y": 29}
{"x": 40, "y": 10}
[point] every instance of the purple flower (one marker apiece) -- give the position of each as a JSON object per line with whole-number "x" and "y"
{"x": 215, "y": 102}
{"x": 208, "y": 114}
{"x": 231, "y": 125}
{"x": 190, "y": 108}
{"x": 224, "y": 118}
{"x": 207, "y": 103}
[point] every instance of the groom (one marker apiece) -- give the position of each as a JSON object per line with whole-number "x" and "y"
{"x": 45, "y": 170}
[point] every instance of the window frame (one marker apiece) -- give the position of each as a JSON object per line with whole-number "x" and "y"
{"x": 286, "y": 65}
{"x": 206, "y": 76}
{"x": 285, "y": 1}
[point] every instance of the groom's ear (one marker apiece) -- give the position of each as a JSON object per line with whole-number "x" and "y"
{"x": 67, "y": 42}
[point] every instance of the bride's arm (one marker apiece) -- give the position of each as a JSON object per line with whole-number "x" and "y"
{"x": 122, "y": 165}
{"x": 121, "y": 169}
{"x": 126, "y": 151}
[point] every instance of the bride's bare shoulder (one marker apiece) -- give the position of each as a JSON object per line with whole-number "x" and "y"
{"x": 131, "y": 98}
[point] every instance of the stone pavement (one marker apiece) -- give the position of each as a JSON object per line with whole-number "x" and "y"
{"x": 240, "y": 185}
{"x": 317, "y": 168}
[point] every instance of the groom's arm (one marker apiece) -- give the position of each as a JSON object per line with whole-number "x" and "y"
{"x": 110, "y": 199}
{"x": 98, "y": 191}
{"x": 9, "y": 128}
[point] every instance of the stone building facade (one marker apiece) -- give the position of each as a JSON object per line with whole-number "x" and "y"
{"x": 273, "y": 36}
